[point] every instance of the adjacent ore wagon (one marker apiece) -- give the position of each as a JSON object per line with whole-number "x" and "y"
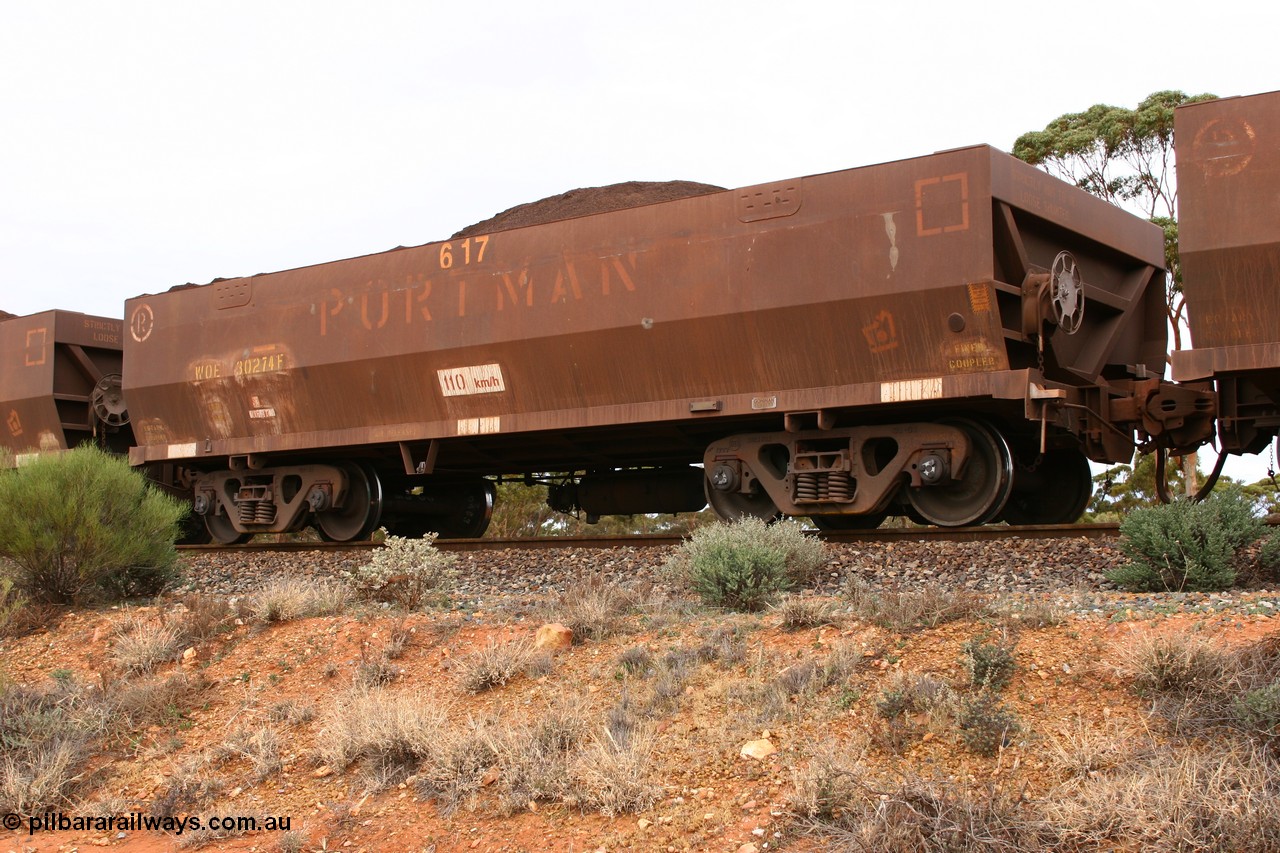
{"x": 950, "y": 337}
{"x": 1229, "y": 239}
{"x": 60, "y": 384}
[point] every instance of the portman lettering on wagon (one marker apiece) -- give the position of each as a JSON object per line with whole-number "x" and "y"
{"x": 418, "y": 299}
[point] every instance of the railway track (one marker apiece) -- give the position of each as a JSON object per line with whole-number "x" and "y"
{"x": 885, "y": 534}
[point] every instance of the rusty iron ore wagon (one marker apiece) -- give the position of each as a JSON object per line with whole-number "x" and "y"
{"x": 61, "y": 383}
{"x": 949, "y": 337}
{"x": 1229, "y": 239}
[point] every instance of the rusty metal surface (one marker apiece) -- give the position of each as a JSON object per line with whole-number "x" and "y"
{"x": 639, "y": 335}
{"x": 1229, "y": 235}
{"x": 51, "y": 362}
{"x": 1208, "y": 362}
{"x": 1229, "y": 229}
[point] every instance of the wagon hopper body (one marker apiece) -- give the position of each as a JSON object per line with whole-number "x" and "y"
{"x": 60, "y": 383}
{"x": 1229, "y": 242}
{"x": 948, "y": 336}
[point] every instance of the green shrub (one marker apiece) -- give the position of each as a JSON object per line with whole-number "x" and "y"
{"x": 410, "y": 573}
{"x": 747, "y": 564}
{"x": 990, "y": 665}
{"x": 1259, "y": 709}
{"x": 1269, "y": 553}
{"x": 1186, "y": 546}
{"x": 986, "y": 725}
{"x": 84, "y": 525}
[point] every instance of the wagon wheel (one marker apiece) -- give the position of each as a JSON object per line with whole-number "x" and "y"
{"x": 360, "y": 512}
{"x": 470, "y": 512}
{"x": 735, "y": 505}
{"x": 1056, "y": 492}
{"x": 474, "y": 508}
{"x": 980, "y": 494}
{"x": 837, "y": 523}
{"x": 222, "y": 531}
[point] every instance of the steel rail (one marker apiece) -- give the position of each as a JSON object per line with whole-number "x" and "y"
{"x": 652, "y": 540}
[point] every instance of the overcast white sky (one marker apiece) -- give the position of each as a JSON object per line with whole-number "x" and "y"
{"x": 148, "y": 144}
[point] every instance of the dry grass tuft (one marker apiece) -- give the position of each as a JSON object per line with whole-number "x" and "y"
{"x": 48, "y": 734}
{"x": 291, "y": 842}
{"x": 43, "y": 777}
{"x": 453, "y": 766}
{"x": 194, "y": 839}
{"x": 292, "y": 712}
{"x": 548, "y": 759}
{"x": 296, "y": 598}
{"x": 260, "y": 747}
{"x": 495, "y": 664}
{"x": 386, "y": 734}
{"x": 398, "y": 640}
{"x": 932, "y": 816}
{"x": 910, "y": 705}
{"x": 636, "y": 661}
{"x": 1176, "y": 663}
{"x": 1084, "y": 751}
{"x": 1204, "y": 690}
{"x": 910, "y": 610}
{"x": 827, "y": 786}
{"x": 614, "y": 775}
{"x": 534, "y": 759}
{"x": 144, "y": 644}
{"x": 595, "y": 611}
{"x": 838, "y": 799}
{"x": 1173, "y": 799}
{"x": 204, "y": 616}
{"x": 375, "y": 671}
{"x": 19, "y": 615}
{"x": 143, "y": 702}
{"x": 914, "y": 693}
{"x": 725, "y": 644}
{"x": 1033, "y": 614}
{"x": 658, "y": 607}
{"x": 784, "y": 687}
{"x": 797, "y": 613}
{"x": 191, "y": 785}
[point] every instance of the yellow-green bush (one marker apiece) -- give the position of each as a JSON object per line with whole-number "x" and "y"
{"x": 748, "y": 564}
{"x": 83, "y": 525}
{"x": 1186, "y": 546}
